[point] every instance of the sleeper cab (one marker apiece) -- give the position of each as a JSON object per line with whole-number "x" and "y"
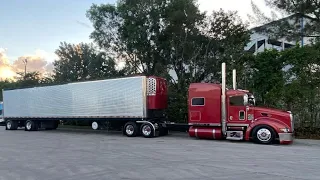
{"x": 204, "y": 103}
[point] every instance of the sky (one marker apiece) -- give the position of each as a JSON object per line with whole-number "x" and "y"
{"x": 33, "y": 29}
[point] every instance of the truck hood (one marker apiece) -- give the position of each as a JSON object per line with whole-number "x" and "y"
{"x": 275, "y": 114}
{"x": 271, "y": 111}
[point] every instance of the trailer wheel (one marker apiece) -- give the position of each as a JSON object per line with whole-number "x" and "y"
{"x": 130, "y": 129}
{"x": 263, "y": 134}
{"x": 11, "y": 125}
{"x": 30, "y": 126}
{"x": 147, "y": 130}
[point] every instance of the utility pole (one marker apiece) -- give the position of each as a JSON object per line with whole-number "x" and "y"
{"x": 25, "y": 61}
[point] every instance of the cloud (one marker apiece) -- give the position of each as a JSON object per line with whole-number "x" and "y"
{"x": 6, "y": 70}
{"x": 242, "y": 6}
{"x": 40, "y": 61}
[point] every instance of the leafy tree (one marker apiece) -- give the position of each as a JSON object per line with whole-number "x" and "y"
{"x": 266, "y": 77}
{"x": 130, "y": 32}
{"x": 29, "y": 79}
{"x": 82, "y": 62}
{"x": 154, "y": 37}
{"x": 302, "y": 93}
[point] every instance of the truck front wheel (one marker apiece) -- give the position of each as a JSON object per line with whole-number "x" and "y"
{"x": 31, "y": 126}
{"x": 263, "y": 134}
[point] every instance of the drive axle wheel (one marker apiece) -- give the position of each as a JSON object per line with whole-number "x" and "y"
{"x": 147, "y": 130}
{"x": 263, "y": 134}
{"x": 130, "y": 129}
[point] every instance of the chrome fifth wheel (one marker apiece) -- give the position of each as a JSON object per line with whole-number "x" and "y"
{"x": 263, "y": 134}
{"x": 130, "y": 129}
{"x": 31, "y": 126}
{"x": 147, "y": 130}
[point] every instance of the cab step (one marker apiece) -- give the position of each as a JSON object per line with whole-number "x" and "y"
{"x": 234, "y": 135}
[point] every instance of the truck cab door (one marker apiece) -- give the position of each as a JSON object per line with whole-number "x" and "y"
{"x": 237, "y": 111}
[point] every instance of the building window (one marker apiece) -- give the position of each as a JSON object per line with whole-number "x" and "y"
{"x": 197, "y": 102}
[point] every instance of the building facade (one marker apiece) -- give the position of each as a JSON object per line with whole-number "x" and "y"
{"x": 260, "y": 38}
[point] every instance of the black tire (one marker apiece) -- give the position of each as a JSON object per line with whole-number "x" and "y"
{"x": 130, "y": 129}
{"x": 11, "y": 125}
{"x": 147, "y": 130}
{"x": 31, "y": 126}
{"x": 263, "y": 134}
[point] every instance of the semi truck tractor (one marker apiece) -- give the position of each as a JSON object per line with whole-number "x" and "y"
{"x": 138, "y": 106}
{"x": 216, "y": 112}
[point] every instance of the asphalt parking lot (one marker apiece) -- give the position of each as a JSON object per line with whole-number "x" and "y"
{"x": 84, "y": 154}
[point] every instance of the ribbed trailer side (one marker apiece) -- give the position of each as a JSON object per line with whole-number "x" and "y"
{"x": 112, "y": 98}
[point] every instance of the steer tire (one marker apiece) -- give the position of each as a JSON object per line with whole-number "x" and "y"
{"x": 257, "y": 134}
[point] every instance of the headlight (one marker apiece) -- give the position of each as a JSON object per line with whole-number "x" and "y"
{"x": 285, "y": 130}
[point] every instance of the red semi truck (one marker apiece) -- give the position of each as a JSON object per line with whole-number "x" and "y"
{"x": 137, "y": 105}
{"x": 219, "y": 113}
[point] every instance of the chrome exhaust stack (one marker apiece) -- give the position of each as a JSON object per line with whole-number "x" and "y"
{"x": 223, "y": 100}
{"x": 234, "y": 79}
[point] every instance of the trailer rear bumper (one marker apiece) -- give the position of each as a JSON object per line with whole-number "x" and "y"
{"x": 285, "y": 138}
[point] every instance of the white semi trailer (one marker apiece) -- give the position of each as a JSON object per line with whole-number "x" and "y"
{"x": 136, "y": 103}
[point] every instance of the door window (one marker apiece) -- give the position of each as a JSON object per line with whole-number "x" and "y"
{"x": 236, "y": 101}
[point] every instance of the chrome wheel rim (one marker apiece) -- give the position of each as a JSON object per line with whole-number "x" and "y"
{"x": 264, "y": 135}
{"x": 9, "y": 125}
{"x": 129, "y": 129}
{"x": 28, "y": 125}
{"x": 95, "y": 125}
{"x": 146, "y": 130}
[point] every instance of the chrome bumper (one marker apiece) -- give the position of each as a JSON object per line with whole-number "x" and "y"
{"x": 285, "y": 138}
